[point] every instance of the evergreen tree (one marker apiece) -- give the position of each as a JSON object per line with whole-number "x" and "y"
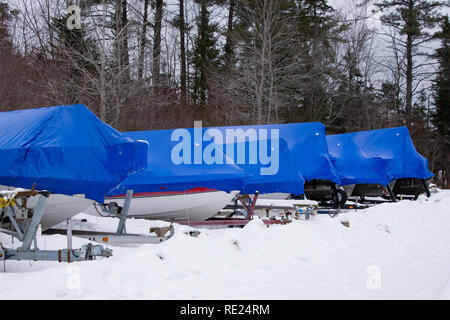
{"x": 179, "y": 22}
{"x": 441, "y": 117}
{"x": 5, "y": 17}
{"x": 204, "y": 55}
{"x": 228, "y": 43}
{"x": 314, "y": 17}
{"x": 318, "y": 29}
{"x": 411, "y": 19}
{"x": 76, "y": 55}
{"x": 442, "y": 85}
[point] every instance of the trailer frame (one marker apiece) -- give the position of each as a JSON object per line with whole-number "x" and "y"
{"x": 25, "y": 230}
{"x": 120, "y": 236}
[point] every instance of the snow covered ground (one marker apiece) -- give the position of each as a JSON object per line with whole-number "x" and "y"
{"x": 390, "y": 251}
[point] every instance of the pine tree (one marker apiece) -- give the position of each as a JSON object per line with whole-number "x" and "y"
{"x": 183, "y": 73}
{"x": 314, "y": 17}
{"x": 442, "y": 85}
{"x": 4, "y": 14}
{"x": 228, "y": 43}
{"x": 179, "y": 22}
{"x": 204, "y": 54}
{"x": 5, "y": 37}
{"x": 76, "y": 54}
{"x": 317, "y": 30}
{"x": 411, "y": 19}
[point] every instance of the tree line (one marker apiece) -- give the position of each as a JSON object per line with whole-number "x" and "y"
{"x": 154, "y": 64}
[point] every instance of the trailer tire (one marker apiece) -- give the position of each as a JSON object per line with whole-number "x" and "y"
{"x": 340, "y": 197}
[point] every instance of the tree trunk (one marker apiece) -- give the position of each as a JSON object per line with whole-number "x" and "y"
{"x": 126, "y": 55}
{"x": 409, "y": 80}
{"x": 202, "y": 35}
{"x": 409, "y": 63}
{"x": 183, "y": 54}
{"x": 157, "y": 42}
{"x": 228, "y": 44}
{"x": 121, "y": 41}
{"x": 143, "y": 41}
{"x": 103, "y": 68}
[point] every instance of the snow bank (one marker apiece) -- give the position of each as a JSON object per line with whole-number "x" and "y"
{"x": 391, "y": 251}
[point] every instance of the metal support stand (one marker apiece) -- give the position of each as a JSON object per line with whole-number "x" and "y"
{"x": 30, "y": 232}
{"x": 427, "y": 190}
{"x": 10, "y": 213}
{"x": 69, "y": 234}
{"x": 391, "y": 194}
{"x": 251, "y": 207}
{"x": 122, "y": 229}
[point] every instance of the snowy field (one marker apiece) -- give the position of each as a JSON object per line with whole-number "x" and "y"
{"x": 391, "y": 251}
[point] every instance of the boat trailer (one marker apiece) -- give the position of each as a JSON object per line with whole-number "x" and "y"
{"x": 121, "y": 236}
{"x": 22, "y": 222}
{"x": 242, "y": 211}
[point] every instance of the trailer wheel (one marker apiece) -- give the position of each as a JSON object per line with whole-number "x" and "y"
{"x": 340, "y": 197}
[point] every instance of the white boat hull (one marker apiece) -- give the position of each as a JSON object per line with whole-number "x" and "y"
{"x": 58, "y": 207}
{"x": 191, "y": 206}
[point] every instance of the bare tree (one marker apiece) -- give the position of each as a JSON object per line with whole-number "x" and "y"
{"x": 358, "y": 66}
{"x": 268, "y": 63}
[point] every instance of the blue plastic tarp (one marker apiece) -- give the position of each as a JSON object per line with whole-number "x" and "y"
{"x": 164, "y": 173}
{"x": 353, "y": 165}
{"x": 302, "y": 153}
{"x": 396, "y": 148}
{"x": 300, "y": 148}
{"x": 281, "y": 162}
{"x": 67, "y": 150}
{"x": 279, "y": 174}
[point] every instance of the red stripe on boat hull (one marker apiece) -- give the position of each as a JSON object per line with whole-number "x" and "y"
{"x": 164, "y": 193}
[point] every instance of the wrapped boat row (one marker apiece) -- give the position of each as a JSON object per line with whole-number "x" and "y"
{"x": 308, "y": 162}
{"x": 194, "y": 172}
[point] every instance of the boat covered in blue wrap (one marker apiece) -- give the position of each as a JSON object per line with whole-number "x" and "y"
{"x": 66, "y": 150}
{"x": 395, "y": 147}
{"x": 301, "y": 152}
{"x": 353, "y": 165}
{"x": 263, "y": 158}
{"x": 165, "y": 173}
